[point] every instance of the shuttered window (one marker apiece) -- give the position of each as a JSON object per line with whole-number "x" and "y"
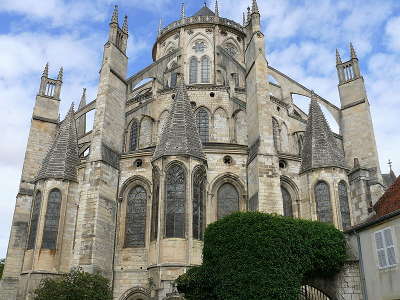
{"x": 385, "y": 248}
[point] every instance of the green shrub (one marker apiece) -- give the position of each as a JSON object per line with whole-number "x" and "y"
{"x": 75, "y": 285}
{"x": 253, "y": 256}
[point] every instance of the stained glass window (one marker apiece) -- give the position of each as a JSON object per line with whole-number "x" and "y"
{"x": 133, "y": 136}
{"x": 34, "y": 220}
{"x": 228, "y": 200}
{"x": 174, "y": 77}
{"x": 175, "y": 202}
{"x": 287, "y": 202}
{"x": 52, "y": 219}
{"x": 344, "y": 205}
{"x": 202, "y": 124}
{"x": 155, "y": 205}
{"x": 323, "y": 200}
{"x": 198, "y": 203}
{"x": 193, "y": 70}
{"x": 135, "y": 225}
{"x": 205, "y": 69}
{"x": 199, "y": 46}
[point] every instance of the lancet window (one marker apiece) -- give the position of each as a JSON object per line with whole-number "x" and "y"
{"x": 34, "y": 220}
{"x": 228, "y": 200}
{"x": 198, "y": 203}
{"x": 135, "y": 224}
{"x": 323, "y": 201}
{"x": 52, "y": 219}
{"x": 202, "y": 124}
{"x": 344, "y": 205}
{"x": 133, "y": 140}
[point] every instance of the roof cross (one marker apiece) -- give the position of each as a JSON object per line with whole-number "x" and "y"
{"x": 390, "y": 164}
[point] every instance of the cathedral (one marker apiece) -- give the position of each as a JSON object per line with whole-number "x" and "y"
{"x": 207, "y": 129}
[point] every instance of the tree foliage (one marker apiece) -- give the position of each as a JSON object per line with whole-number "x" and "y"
{"x": 2, "y": 262}
{"x": 75, "y": 285}
{"x": 252, "y": 256}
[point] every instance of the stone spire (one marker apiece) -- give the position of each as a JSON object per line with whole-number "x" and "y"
{"x": 352, "y": 52}
{"x": 83, "y": 99}
{"x": 159, "y": 27}
{"x": 338, "y": 59}
{"x": 60, "y": 74}
{"x": 254, "y": 7}
{"x": 248, "y": 14}
{"x": 46, "y": 71}
{"x": 180, "y": 135}
{"x": 62, "y": 158}
{"x": 244, "y": 19}
{"x": 216, "y": 10}
{"x": 125, "y": 25}
{"x": 114, "y": 18}
{"x": 182, "y": 10}
{"x": 320, "y": 148}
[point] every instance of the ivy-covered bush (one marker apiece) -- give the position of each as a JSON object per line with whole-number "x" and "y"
{"x": 75, "y": 285}
{"x": 253, "y": 256}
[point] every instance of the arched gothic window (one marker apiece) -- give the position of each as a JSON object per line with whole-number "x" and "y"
{"x": 52, "y": 219}
{"x": 287, "y": 202}
{"x": 135, "y": 222}
{"x": 155, "y": 205}
{"x": 175, "y": 202}
{"x": 205, "y": 69}
{"x": 198, "y": 203}
{"x": 276, "y": 134}
{"x": 323, "y": 201}
{"x": 202, "y": 124}
{"x": 228, "y": 200}
{"x": 231, "y": 49}
{"x": 344, "y": 205}
{"x": 193, "y": 70}
{"x": 34, "y": 220}
{"x": 133, "y": 136}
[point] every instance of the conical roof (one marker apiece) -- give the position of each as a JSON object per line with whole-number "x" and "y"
{"x": 179, "y": 135}
{"x": 204, "y": 11}
{"x": 320, "y": 148}
{"x": 62, "y": 158}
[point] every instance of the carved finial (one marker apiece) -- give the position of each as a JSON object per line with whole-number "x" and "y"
{"x": 352, "y": 51}
{"x": 216, "y": 8}
{"x": 160, "y": 26}
{"x": 46, "y": 70}
{"x": 248, "y": 14}
{"x": 205, "y": 3}
{"x": 356, "y": 163}
{"x": 114, "y": 18}
{"x": 338, "y": 59}
{"x": 254, "y": 7}
{"x": 60, "y": 74}
{"x": 182, "y": 10}
{"x": 83, "y": 98}
{"x": 313, "y": 95}
{"x": 125, "y": 25}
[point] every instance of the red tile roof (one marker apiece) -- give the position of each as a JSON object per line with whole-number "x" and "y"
{"x": 390, "y": 200}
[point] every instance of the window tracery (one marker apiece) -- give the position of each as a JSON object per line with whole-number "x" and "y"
{"x": 205, "y": 69}
{"x": 344, "y": 205}
{"x": 202, "y": 124}
{"x": 231, "y": 49}
{"x": 323, "y": 201}
{"x": 155, "y": 205}
{"x": 50, "y": 231}
{"x": 228, "y": 200}
{"x": 199, "y": 46}
{"x": 198, "y": 203}
{"x": 287, "y": 202}
{"x": 34, "y": 220}
{"x": 193, "y": 70}
{"x": 175, "y": 202}
{"x": 135, "y": 221}
{"x": 133, "y": 138}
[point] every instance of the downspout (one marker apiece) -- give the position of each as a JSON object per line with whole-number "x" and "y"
{"x": 362, "y": 276}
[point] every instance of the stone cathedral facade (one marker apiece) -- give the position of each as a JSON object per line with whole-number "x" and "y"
{"x": 208, "y": 133}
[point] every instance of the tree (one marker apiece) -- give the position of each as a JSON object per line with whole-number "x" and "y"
{"x": 252, "y": 255}
{"x": 2, "y": 262}
{"x": 75, "y": 285}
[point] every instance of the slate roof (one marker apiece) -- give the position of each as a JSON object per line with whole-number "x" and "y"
{"x": 204, "y": 11}
{"x": 320, "y": 148}
{"x": 180, "y": 135}
{"x": 62, "y": 158}
{"x": 390, "y": 200}
{"x": 388, "y": 179}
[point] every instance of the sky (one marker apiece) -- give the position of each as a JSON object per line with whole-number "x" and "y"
{"x": 300, "y": 35}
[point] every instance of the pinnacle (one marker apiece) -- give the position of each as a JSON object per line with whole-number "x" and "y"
{"x": 83, "y": 99}
{"x": 60, "y": 74}
{"x": 182, "y": 10}
{"x": 254, "y": 8}
{"x": 216, "y": 8}
{"x": 114, "y": 18}
{"x": 46, "y": 70}
{"x": 125, "y": 24}
{"x": 338, "y": 59}
{"x": 352, "y": 51}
